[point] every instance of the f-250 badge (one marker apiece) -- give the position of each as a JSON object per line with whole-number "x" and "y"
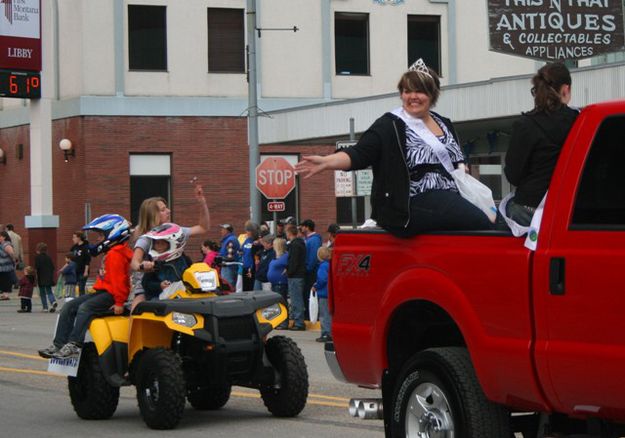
{"x": 354, "y": 265}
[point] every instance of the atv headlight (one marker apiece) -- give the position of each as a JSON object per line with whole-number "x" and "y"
{"x": 183, "y": 319}
{"x": 207, "y": 280}
{"x": 271, "y": 312}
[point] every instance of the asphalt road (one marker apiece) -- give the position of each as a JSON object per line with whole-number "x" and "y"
{"x": 35, "y": 403}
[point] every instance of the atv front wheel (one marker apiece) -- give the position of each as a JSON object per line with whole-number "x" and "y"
{"x": 160, "y": 388}
{"x": 209, "y": 399}
{"x": 92, "y": 396}
{"x": 287, "y": 397}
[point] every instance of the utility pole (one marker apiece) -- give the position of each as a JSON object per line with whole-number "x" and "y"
{"x": 252, "y": 111}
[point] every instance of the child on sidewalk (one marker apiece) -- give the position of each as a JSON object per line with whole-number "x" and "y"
{"x": 324, "y": 254}
{"x": 112, "y": 287}
{"x": 27, "y": 284}
{"x": 168, "y": 242}
{"x": 70, "y": 277}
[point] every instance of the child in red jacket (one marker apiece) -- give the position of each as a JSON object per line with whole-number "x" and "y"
{"x": 27, "y": 284}
{"x": 111, "y": 287}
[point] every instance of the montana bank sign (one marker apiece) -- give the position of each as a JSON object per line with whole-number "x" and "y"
{"x": 556, "y": 30}
{"x": 20, "y": 34}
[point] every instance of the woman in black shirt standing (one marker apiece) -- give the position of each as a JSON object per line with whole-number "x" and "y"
{"x": 537, "y": 138}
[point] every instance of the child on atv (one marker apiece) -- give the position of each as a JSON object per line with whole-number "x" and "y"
{"x": 166, "y": 251}
{"x": 111, "y": 287}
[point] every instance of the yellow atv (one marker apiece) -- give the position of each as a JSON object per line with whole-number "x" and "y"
{"x": 194, "y": 345}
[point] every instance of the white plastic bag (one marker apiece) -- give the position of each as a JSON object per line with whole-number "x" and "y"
{"x": 313, "y": 306}
{"x": 475, "y": 192}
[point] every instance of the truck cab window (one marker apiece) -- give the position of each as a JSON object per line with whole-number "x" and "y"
{"x": 600, "y": 200}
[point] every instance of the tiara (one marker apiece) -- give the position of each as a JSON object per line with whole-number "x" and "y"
{"x": 420, "y": 67}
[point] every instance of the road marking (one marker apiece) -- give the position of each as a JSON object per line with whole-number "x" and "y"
{"x": 27, "y": 356}
{"x": 17, "y": 370}
{"x": 310, "y": 401}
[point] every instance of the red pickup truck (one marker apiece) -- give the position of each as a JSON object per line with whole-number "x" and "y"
{"x": 470, "y": 334}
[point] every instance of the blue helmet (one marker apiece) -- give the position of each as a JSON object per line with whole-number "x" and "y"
{"x": 116, "y": 229}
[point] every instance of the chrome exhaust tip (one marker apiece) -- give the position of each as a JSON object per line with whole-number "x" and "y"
{"x": 353, "y": 407}
{"x": 366, "y": 409}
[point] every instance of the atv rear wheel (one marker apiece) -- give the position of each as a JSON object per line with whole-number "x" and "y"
{"x": 208, "y": 399}
{"x": 287, "y": 397}
{"x": 93, "y": 398}
{"x": 160, "y": 388}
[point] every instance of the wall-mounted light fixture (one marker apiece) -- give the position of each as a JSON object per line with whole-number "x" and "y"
{"x": 3, "y": 157}
{"x": 67, "y": 148}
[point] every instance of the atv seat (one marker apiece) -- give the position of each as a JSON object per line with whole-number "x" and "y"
{"x": 155, "y": 307}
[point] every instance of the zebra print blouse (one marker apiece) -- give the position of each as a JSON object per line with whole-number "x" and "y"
{"x": 426, "y": 171}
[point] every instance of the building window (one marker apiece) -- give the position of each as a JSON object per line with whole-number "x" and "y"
{"x": 226, "y": 41}
{"x": 600, "y": 200}
{"x": 351, "y": 43}
{"x": 147, "y": 37}
{"x": 424, "y": 40}
{"x": 150, "y": 175}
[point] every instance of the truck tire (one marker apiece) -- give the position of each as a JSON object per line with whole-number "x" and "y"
{"x": 161, "y": 388}
{"x": 438, "y": 394}
{"x": 288, "y": 397}
{"x": 209, "y": 399}
{"x": 93, "y": 398}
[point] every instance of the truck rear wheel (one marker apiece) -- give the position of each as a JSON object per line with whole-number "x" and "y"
{"x": 208, "y": 399}
{"x": 438, "y": 395}
{"x": 93, "y": 398}
{"x": 160, "y": 388}
{"x": 287, "y": 397}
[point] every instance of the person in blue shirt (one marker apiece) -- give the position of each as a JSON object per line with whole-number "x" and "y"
{"x": 276, "y": 274}
{"x": 229, "y": 253}
{"x": 249, "y": 249}
{"x": 313, "y": 243}
{"x": 324, "y": 254}
{"x": 70, "y": 276}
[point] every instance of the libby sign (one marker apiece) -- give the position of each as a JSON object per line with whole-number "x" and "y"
{"x": 20, "y": 34}
{"x": 556, "y": 30}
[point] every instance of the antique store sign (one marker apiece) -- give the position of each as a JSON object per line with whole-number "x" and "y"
{"x": 556, "y": 30}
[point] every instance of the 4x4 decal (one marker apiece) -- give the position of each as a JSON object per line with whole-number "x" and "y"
{"x": 354, "y": 265}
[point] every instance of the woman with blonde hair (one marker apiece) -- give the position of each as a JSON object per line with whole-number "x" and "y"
{"x": 152, "y": 213}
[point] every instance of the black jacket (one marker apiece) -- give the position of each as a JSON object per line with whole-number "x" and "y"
{"x": 537, "y": 138}
{"x": 45, "y": 270}
{"x": 266, "y": 256}
{"x": 296, "y": 267}
{"x": 82, "y": 257}
{"x": 382, "y": 147}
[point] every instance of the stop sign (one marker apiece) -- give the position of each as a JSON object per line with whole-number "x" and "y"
{"x": 275, "y": 177}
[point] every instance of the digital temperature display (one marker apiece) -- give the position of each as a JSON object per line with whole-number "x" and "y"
{"x": 22, "y": 84}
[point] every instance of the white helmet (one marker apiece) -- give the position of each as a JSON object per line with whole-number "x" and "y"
{"x": 173, "y": 235}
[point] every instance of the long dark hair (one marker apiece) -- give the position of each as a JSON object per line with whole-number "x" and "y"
{"x": 6, "y": 236}
{"x": 547, "y": 83}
